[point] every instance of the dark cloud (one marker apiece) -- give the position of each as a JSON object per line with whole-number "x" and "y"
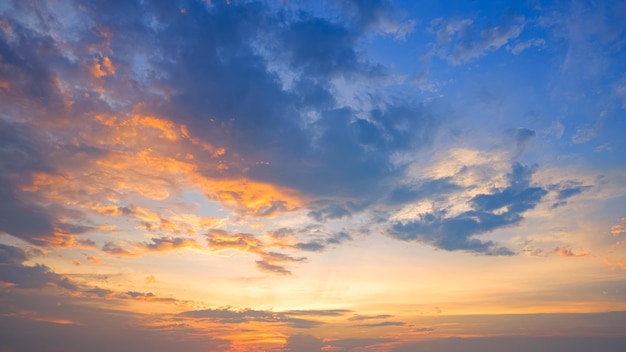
{"x": 313, "y": 246}
{"x": 37, "y": 276}
{"x": 426, "y": 189}
{"x": 381, "y": 324}
{"x": 26, "y": 56}
{"x": 369, "y": 317}
{"x": 225, "y": 92}
{"x": 516, "y": 344}
{"x": 319, "y": 312}
{"x": 156, "y": 244}
{"x": 354, "y": 343}
{"x": 263, "y": 90}
{"x": 303, "y": 343}
{"x": 504, "y": 207}
{"x": 324, "y": 210}
{"x": 274, "y": 262}
{"x": 159, "y": 244}
{"x": 68, "y": 324}
{"x": 98, "y": 292}
{"x": 229, "y": 316}
{"x": 567, "y": 190}
{"x": 20, "y": 157}
{"x": 328, "y": 48}
{"x": 517, "y": 198}
{"x": 321, "y": 244}
{"x": 114, "y": 249}
{"x": 338, "y": 238}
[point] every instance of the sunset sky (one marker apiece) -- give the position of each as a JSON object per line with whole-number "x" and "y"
{"x": 335, "y": 175}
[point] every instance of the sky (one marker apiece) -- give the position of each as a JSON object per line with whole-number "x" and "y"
{"x": 335, "y": 175}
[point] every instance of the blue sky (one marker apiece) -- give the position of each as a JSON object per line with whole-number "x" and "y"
{"x": 302, "y": 175}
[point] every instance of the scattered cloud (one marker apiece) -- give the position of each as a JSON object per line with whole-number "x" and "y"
{"x": 381, "y": 324}
{"x": 502, "y": 208}
{"x": 230, "y": 316}
{"x": 617, "y": 230}
{"x": 568, "y": 252}
{"x": 369, "y": 317}
{"x": 156, "y": 245}
{"x": 271, "y": 262}
{"x": 458, "y": 40}
{"x": 524, "y": 45}
{"x": 615, "y": 263}
{"x": 38, "y": 276}
{"x": 585, "y": 134}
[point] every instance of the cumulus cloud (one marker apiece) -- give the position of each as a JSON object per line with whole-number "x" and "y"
{"x": 369, "y": 317}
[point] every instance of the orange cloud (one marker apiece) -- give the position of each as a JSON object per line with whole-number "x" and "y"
{"x": 567, "y": 252}
{"x": 617, "y": 264}
{"x": 108, "y": 65}
{"x": 121, "y": 159}
{"x": 139, "y": 143}
{"x": 93, "y": 260}
{"x": 101, "y": 67}
{"x": 96, "y": 70}
{"x": 30, "y": 315}
{"x": 619, "y": 229}
{"x": 272, "y": 262}
{"x": 250, "y": 198}
{"x": 157, "y": 245}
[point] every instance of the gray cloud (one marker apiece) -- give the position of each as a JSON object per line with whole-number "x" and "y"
{"x": 319, "y": 312}
{"x": 321, "y": 244}
{"x": 504, "y": 207}
{"x": 229, "y": 316}
{"x": 323, "y": 210}
{"x": 303, "y": 343}
{"x": 369, "y": 317}
{"x": 426, "y": 189}
{"x": 566, "y": 190}
{"x": 354, "y": 343}
{"x": 381, "y": 324}
{"x": 517, "y": 344}
{"x": 22, "y": 276}
{"x": 69, "y": 324}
